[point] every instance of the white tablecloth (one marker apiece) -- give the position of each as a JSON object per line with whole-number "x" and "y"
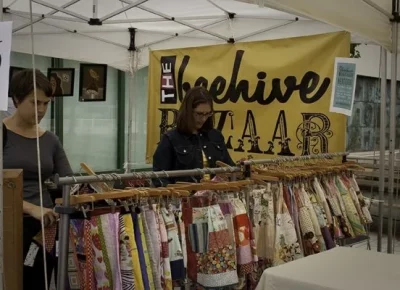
{"x": 341, "y": 268}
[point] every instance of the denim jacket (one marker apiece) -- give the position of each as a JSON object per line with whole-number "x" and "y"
{"x": 178, "y": 151}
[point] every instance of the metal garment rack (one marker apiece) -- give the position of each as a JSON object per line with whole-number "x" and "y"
{"x": 65, "y": 210}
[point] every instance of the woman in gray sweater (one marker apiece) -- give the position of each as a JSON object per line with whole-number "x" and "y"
{"x": 20, "y": 152}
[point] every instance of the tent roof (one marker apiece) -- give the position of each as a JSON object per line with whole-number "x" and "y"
{"x": 61, "y": 27}
{"x": 367, "y": 18}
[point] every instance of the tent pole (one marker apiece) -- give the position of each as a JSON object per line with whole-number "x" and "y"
{"x": 382, "y": 144}
{"x": 130, "y": 117}
{"x": 392, "y": 126}
{"x": 95, "y": 8}
{"x": 1, "y": 188}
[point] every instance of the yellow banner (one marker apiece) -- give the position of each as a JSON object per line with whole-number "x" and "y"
{"x": 271, "y": 97}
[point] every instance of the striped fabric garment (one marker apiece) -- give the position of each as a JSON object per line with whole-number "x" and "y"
{"x": 128, "y": 281}
{"x": 198, "y": 237}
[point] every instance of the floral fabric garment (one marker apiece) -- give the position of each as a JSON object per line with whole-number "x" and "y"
{"x": 287, "y": 247}
{"x": 165, "y": 263}
{"x": 174, "y": 246}
{"x": 364, "y": 203}
{"x": 266, "y": 226}
{"x": 351, "y": 210}
{"x": 217, "y": 267}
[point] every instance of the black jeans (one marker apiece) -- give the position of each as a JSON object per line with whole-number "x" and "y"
{"x": 34, "y": 276}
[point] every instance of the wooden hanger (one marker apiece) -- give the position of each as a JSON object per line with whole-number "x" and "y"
{"x": 231, "y": 185}
{"x": 259, "y": 177}
{"x": 118, "y": 195}
{"x": 88, "y": 198}
{"x": 104, "y": 186}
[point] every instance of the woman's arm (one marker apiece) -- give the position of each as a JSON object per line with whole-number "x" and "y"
{"x": 163, "y": 160}
{"x": 28, "y": 208}
{"x": 49, "y": 216}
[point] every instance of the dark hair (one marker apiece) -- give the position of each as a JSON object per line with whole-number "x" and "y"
{"x": 194, "y": 97}
{"x": 22, "y": 85}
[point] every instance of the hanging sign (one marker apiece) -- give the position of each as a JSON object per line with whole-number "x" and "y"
{"x": 344, "y": 86}
{"x": 271, "y": 97}
{"x": 5, "y": 54}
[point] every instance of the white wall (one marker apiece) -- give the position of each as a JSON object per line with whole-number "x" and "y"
{"x": 369, "y": 63}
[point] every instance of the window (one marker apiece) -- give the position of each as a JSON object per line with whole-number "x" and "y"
{"x": 90, "y": 128}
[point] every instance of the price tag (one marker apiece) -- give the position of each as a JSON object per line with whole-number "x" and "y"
{"x": 31, "y": 256}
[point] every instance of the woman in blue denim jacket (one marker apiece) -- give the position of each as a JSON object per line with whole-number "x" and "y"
{"x": 194, "y": 143}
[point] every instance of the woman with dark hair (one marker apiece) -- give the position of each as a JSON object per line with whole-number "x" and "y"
{"x": 194, "y": 143}
{"x": 20, "y": 152}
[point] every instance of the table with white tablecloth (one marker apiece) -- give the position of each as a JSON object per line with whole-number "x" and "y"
{"x": 341, "y": 268}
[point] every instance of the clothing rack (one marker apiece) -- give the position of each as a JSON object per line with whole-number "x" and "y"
{"x": 66, "y": 210}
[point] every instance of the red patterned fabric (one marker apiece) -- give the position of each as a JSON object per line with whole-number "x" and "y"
{"x": 50, "y": 238}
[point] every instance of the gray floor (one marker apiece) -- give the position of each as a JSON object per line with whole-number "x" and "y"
{"x": 374, "y": 243}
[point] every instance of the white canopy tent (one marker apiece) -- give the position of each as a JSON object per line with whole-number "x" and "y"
{"x": 367, "y": 18}
{"x": 62, "y": 27}
{"x": 376, "y": 20}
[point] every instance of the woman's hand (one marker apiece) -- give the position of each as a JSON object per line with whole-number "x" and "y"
{"x": 49, "y": 216}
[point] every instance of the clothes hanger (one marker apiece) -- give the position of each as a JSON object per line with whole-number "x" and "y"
{"x": 103, "y": 185}
{"x": 88, "y": 198}
{"x": 207, "y": 186}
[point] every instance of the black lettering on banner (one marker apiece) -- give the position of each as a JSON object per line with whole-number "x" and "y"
{"x": 223, "y": 115}
{"x": 167, "y": 86}
{"x": 313, "y": 133}
{"x": 221, "y": 124}
{"x": 201, "y": 81}
{"x": 229, "y": 142}
{"x": 281, "y": 127}
{"x": 309, "y": 88}
{"x": 186, "y": 86}
{"x": 165, "y": 125}
{"x": 250, "y": 131}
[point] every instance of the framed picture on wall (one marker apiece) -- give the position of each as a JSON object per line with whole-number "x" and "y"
{"x": 93, "y": 83}
{"x": 14, "y": 70}
{"x": 62, "y": 81}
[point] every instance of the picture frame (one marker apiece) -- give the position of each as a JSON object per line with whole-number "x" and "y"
{"x": 93, "y": 83}
{"x": 14, "y": 70}
{"x": 62, "y": 81}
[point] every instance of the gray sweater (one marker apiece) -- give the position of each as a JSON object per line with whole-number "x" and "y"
{"x": 20, "y": 153}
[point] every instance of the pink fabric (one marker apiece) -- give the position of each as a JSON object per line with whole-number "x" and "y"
{"x": 166, "y": 278}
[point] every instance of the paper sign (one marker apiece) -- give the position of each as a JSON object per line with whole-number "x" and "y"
{"x": 344, "y": 86}
{"x": 5, "y": 54}
{"x": 31, "y": 256}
